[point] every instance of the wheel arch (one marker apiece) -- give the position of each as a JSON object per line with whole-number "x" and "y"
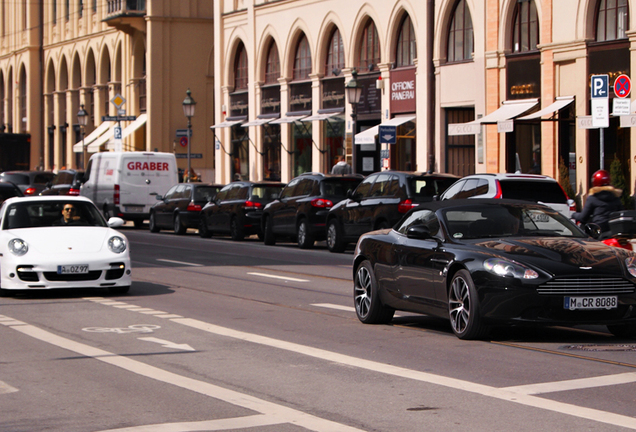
{"x": 452, "y": 270}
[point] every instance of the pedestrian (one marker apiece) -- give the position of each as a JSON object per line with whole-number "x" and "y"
{"x": 341, "y": 167}
{"x": 602, "y": 200}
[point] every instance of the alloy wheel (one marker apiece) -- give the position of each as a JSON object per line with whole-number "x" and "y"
{"x": 362, "y": 292}
{"x": 459, "y": 305}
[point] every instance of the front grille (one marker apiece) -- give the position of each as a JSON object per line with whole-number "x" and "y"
{"x": 26, "y": 274}
{"x": 90, "y": 276}
{"x": 586, "y": 286}
{"x": 116, "y": 271}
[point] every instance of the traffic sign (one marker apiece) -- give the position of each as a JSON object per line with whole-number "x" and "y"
{"x": 182, "y": 133}
{"x": 622, "y": 86}
{"x": 388, "y": 134}
{"x": 183, "y": 141}
{"x": 117, "y": 132}
{"x": 119, "y": 118}
{"x": 118, "y": 100}
{"x": 600, "y": 86}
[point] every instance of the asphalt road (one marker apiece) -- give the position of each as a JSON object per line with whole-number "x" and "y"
{"x": 219, "y": 335}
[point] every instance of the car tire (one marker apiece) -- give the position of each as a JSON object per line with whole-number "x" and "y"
{"x": 119, "y": 290}
{"x": 369, "y": 307}
{"x": 463, "y": 307}
{"x": 204, "y": 231}
{"x": 305, "y": 239}
{"x": 179, "y": 228}
{"x": 268, "y": 234}
{"x": 335, "y": 242}
{"x": 623, "y": 330}
{"x": 152, "y": 223}
{"x": 236, "y": 230}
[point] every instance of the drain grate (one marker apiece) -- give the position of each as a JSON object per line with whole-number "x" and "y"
{"x": 600, "y": 348}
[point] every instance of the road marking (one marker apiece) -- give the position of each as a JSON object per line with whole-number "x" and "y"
{"x": 278, "y": 277}
{"x": 334, "y": 306}
{"x": 180, "y": 262}
{"x": 210, "y": 425}
{"x": 6, "y": 388}
{"x": 277, "y": 414}
{"x": 168, "y": 344}
{"x": 576, "y": 384}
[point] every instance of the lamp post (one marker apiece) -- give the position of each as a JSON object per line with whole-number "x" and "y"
{"x": 188, "y": 111}
{"x": 82, "y": 120}
{"x": 354, "y": 91}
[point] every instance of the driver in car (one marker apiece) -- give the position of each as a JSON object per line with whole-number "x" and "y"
{"x": 70, "y": 216}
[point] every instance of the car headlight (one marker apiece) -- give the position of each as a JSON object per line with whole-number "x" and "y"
{"x": 630, "y": 263}
{"x": 18, "y": 247}
{"x": 117, "y": 244}
{"x": 502, "y": 267}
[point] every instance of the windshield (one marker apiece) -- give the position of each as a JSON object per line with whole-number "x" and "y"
{"x": 338, "y": 187}
{"x": 205, "y": 193}
{"x": 35, "y": 214}
{"x": 487, "y": 221}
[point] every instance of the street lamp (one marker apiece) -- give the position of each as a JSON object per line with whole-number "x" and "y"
{"x": 188, "y": 111}
{"x": 82, "y": 120}
{"x": 354, "y": 91}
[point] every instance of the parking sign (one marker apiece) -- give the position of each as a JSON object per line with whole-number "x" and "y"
{"x": 600, "y": 87}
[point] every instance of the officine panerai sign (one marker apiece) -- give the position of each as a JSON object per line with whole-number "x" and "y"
{"x": 402, "y": 89}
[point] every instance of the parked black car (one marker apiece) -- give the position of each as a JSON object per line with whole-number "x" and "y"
{"x": 237, "y": 209}
{"x": 8, "y": 190}
{"x": 379, "y": 202}
{"x": 180, "y": 208}
{"x": 29, "y": 182}
{"x": 301, "y": 211}
{"x": 65, "y": 182}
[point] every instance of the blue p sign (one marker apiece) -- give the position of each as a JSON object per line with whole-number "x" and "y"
{"x": 600, "y": 86}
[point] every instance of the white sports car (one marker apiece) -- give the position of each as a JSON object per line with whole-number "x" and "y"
{"x": 49, "y": 242}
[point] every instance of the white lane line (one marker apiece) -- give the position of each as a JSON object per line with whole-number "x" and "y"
{"x": 211, "y": 425}
{"x": 457, "y": 384}
{"x": 169, "y": 316}
{"x": 152, "y": 312}
{"x": 576, "y": 384}
{"x": 180, "y": 262}
{"x": 278, "y": 413}
{"x": 278, "y": 277}
{"x": 335, "y": 306}
{"x": 6, "y": 388}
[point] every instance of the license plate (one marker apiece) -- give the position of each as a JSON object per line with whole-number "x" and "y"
{"x": 134, "y": 209}
{"x": 72, "y": 269}
{"x": 589, "y": 303}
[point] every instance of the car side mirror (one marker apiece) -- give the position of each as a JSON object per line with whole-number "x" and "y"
{"x": 419, "y": 232}
{"x": 593, "y": 230}
{"x": 115, "y": 222}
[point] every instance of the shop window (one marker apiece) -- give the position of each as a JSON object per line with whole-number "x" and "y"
{"x": 369, "y": 54}
{"x": 301, "y": 149}
{"x": 272, "y": 67}
{"x": 405, "y": 53}
{"x": 302, "y": 60}
{"x": 23, "y": 101}
{"x": 240, "y": 69}
{"x": 460, "y": 34}
{"x": 335, "y": 55}
{"x": 612, "y": 20}
{"x": 525, "y": 34}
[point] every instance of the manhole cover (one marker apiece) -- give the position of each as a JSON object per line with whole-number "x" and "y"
{"x": 601, "y": 347}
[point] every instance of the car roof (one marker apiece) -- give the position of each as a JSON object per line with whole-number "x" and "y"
{"x": 511, "y": 176}
{"x": 420, "y": 174}
{"x": 65, "y": 198}
{"x": 445, "y": 204}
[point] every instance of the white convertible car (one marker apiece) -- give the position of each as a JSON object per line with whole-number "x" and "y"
{"x": 49, "y": 242}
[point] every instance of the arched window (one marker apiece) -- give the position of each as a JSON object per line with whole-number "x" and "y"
{"x": 302, "y": 60}
{"x": 460, "y": 34}
{"x": 272, "y": 67}
{"x": 335, "y": 54}
{"x": 23, "y": 101}
{"x": 405, "y": 53}
{"x": 612, "y": 20}
{"x": 240, "y": 69}
{"x": 369, "y": 48}
{"x": 525, "y": 35}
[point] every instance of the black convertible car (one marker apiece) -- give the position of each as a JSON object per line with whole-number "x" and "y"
{"x": 484, "y": 262}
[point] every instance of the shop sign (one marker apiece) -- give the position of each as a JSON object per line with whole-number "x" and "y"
{"x": 403, "y": 90}
{"x": 523, "y": 77}
{"x": 270, "y": 100}
{"x": 300, "y": 97}
{"x": 333, "y": 93}
{"x": 370, "y": 101}
{"x": 239, "y": 105}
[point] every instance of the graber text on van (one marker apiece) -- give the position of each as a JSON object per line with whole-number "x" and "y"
{"x": 148, "y": 166}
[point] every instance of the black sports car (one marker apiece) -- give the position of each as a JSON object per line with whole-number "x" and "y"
{"x": 487, "y": 262}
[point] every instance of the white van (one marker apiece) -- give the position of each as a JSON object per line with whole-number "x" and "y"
{"x": 124, "y": 184}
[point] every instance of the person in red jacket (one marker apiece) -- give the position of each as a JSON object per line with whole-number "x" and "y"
{"x": 603, "y": 200}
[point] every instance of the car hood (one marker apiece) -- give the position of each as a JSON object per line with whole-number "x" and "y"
{"x": 64, "y": 239}
{"x": 554, "y": 254}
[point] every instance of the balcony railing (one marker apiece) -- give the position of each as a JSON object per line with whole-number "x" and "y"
{"x": 125, "y": 8}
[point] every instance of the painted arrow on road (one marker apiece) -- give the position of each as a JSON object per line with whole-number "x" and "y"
{"x": 168, "y": 344}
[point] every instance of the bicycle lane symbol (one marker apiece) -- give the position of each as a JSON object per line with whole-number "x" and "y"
{"x": 135, "y": 328}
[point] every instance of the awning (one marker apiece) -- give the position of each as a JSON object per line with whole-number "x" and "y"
{"x": 229, "y": 122}
{"x": 368, "y": 136}
{"x": 99, "y": 130}
{"x": 136, "y": 124}
{"x": 561, "y": 102}
{"x": 286, "y": 120}
{"x": 95, "y": 146}
{"x": 508, "y": 110}
{"x": 257, "y": 122}
{"x": 322, "y": 116}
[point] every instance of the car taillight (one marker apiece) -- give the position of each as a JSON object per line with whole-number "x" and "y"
{"x": 321, "y": 203}
{"x": 497, "y": 190}
{"x": 29, "y": 191}
{"x": 73, "y": 191}
{"x": 406, "y": 205}
{"x": 252, "y": 205}
{"x": 116, "y": 195}
{"x": 571, "y": 203}
{"x": 193, "y": 207}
